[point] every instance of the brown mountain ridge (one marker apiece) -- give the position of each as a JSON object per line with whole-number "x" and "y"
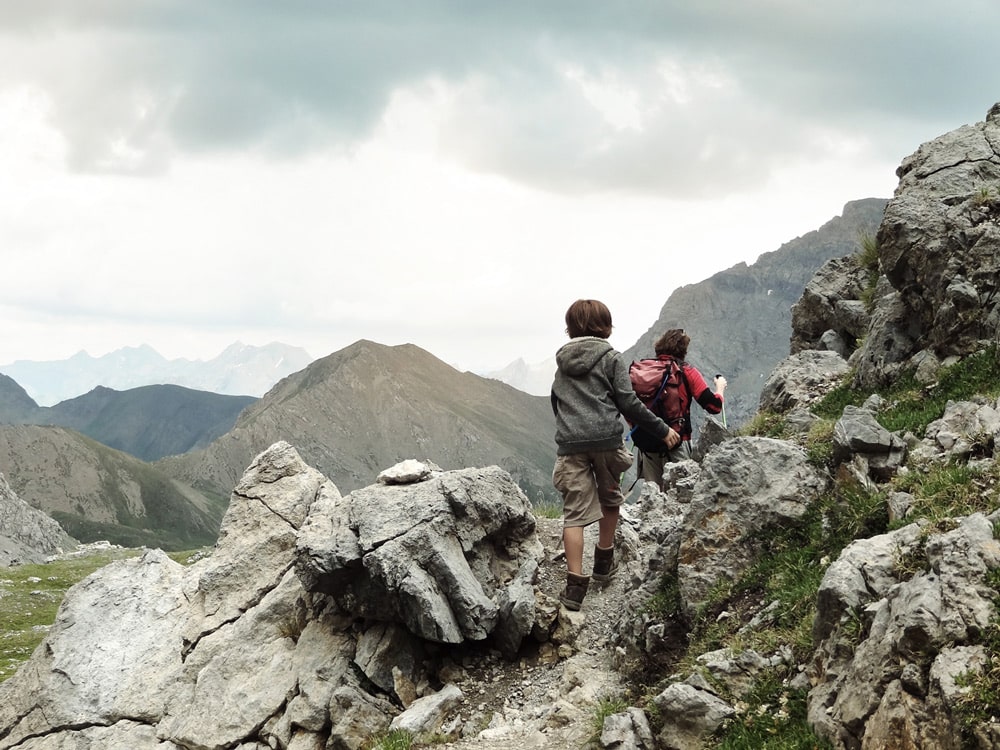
{"x": 368, "y": 406}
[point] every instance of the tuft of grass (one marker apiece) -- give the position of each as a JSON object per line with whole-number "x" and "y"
{"x": 393, "y": 739}
{"x": 979, "y": 703}
{"x": 819, "y": 444}
{"x": 766, "y": 424}
{"x": 547, "y": 507}
{"x": 606, "y": 707}
{"x": 771, "y": 717}
{"x": 944, "y": 491}
{"x": 985, "y": 195}
{"x": 868, "y": 260}
{"x": 910, "y": 406}
{"x": 831, "y": 406}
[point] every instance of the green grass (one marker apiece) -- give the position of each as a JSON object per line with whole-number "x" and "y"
{"x": 606, "y": 707}
{"x": 944, "y": 491}
{"x": 394, "y": 739}
{"x": 772, "y": 717}
{"x": 910, "y": 406}
{"x": 546, "y": 507}
{"x": 30, "y": 596}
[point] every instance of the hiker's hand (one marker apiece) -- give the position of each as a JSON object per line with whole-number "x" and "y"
{"x": 672, "y": 439}
{"x": 720, "y": 384}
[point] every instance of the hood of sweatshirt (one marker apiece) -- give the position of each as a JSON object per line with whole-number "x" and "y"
{"x": 579, "y": 355}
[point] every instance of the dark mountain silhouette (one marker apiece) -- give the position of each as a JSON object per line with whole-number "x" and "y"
{"x": 149, "y": 422}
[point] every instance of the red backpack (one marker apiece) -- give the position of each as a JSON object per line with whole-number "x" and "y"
{"x": 660, "y": 385}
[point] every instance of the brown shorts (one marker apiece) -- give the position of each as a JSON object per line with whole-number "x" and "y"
{"x": 589, "y": 480}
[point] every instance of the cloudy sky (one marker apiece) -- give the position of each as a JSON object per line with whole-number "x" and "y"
{"x": 189, "y": 173}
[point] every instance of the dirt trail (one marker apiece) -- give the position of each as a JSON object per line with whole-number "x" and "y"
{"x": 543, "y": 701}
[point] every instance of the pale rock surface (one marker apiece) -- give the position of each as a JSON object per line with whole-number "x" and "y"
{"x": 745, "y": 486}
{"x": 919, "y": 617}
{"x": 234, "y": 651}
{"x": 801, "y": 379}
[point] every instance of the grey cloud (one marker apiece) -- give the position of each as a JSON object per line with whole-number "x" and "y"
{"x": 133, "y": 82}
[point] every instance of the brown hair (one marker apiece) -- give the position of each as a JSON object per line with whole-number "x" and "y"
{"x": 674, "y": 342}
{"x": 588, "y": 317}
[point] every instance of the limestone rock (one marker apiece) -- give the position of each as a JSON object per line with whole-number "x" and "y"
{"x": 937, "y": 248}
{"x": 234, "y": 651}
{"x": 858, "y": 432}
{"x": 801, "y": 379}
{"x": 691, "y": 716}
{"x": 745, "y": 486}
{"x": 437, "y": 556}
{"x": 892, "y": 609}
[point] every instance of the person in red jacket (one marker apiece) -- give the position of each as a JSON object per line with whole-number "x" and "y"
{"x": 674, "y": 345}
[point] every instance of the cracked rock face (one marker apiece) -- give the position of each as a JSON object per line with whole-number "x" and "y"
{"x": 257, "y": 645}
{"x": 939, "y": 248}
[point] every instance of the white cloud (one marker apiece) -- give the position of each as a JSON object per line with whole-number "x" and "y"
{"x": 452, "y": 177}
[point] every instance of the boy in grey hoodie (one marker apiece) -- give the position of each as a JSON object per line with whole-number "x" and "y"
{"x": 590, "y": 391}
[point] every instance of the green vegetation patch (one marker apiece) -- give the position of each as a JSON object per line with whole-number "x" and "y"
{"x": 771, "y": 717}
{"x": 910, "y": 406}
{"x": 944, "y": 491}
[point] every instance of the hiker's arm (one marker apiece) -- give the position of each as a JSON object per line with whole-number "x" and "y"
{"x": 710, "y": 402}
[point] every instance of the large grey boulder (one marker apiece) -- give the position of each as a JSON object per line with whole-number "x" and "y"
{"x": 27, "y": 535}
{"x": 437, "y": 556}
{"x": 901, "y": 617}
{"x": 234, "y": 651}
{"x": 747, "y": 486}
{"x": 858, "y": 435}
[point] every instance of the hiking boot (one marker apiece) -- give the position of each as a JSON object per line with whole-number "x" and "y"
{"x": 604, "y": 564}
{"x": 576, "y": 589}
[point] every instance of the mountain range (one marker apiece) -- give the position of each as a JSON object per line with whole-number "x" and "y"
{"x": 368, "y": 406}
{"x": 240, "y": 370}
{"x": 149, "y": 422}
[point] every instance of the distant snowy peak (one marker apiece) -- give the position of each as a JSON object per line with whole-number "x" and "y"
{"x": 240, "y": 370}
{"x": 535, "y": 379}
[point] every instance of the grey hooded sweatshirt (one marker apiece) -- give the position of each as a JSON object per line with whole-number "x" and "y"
{"x": 591, "y": 389}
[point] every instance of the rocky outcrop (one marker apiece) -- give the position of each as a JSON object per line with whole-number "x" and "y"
{"x": 905, "y": 619}
{"x": 707, "y": 529}
{"x": 900, "y": 626}
{"x": 938, "y": 295}
{"x": 275, "y": 639}
{"x": 830, "y": 314}
{"x": 27, "y": 535}
{"x": 802, "y": 379}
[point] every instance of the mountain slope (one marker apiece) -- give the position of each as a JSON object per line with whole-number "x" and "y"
{"x": 368, "y": 406}
{"x": 739, "y": 320}
{"x": 96, "y": 493}
{"x": 149, "y": 422}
